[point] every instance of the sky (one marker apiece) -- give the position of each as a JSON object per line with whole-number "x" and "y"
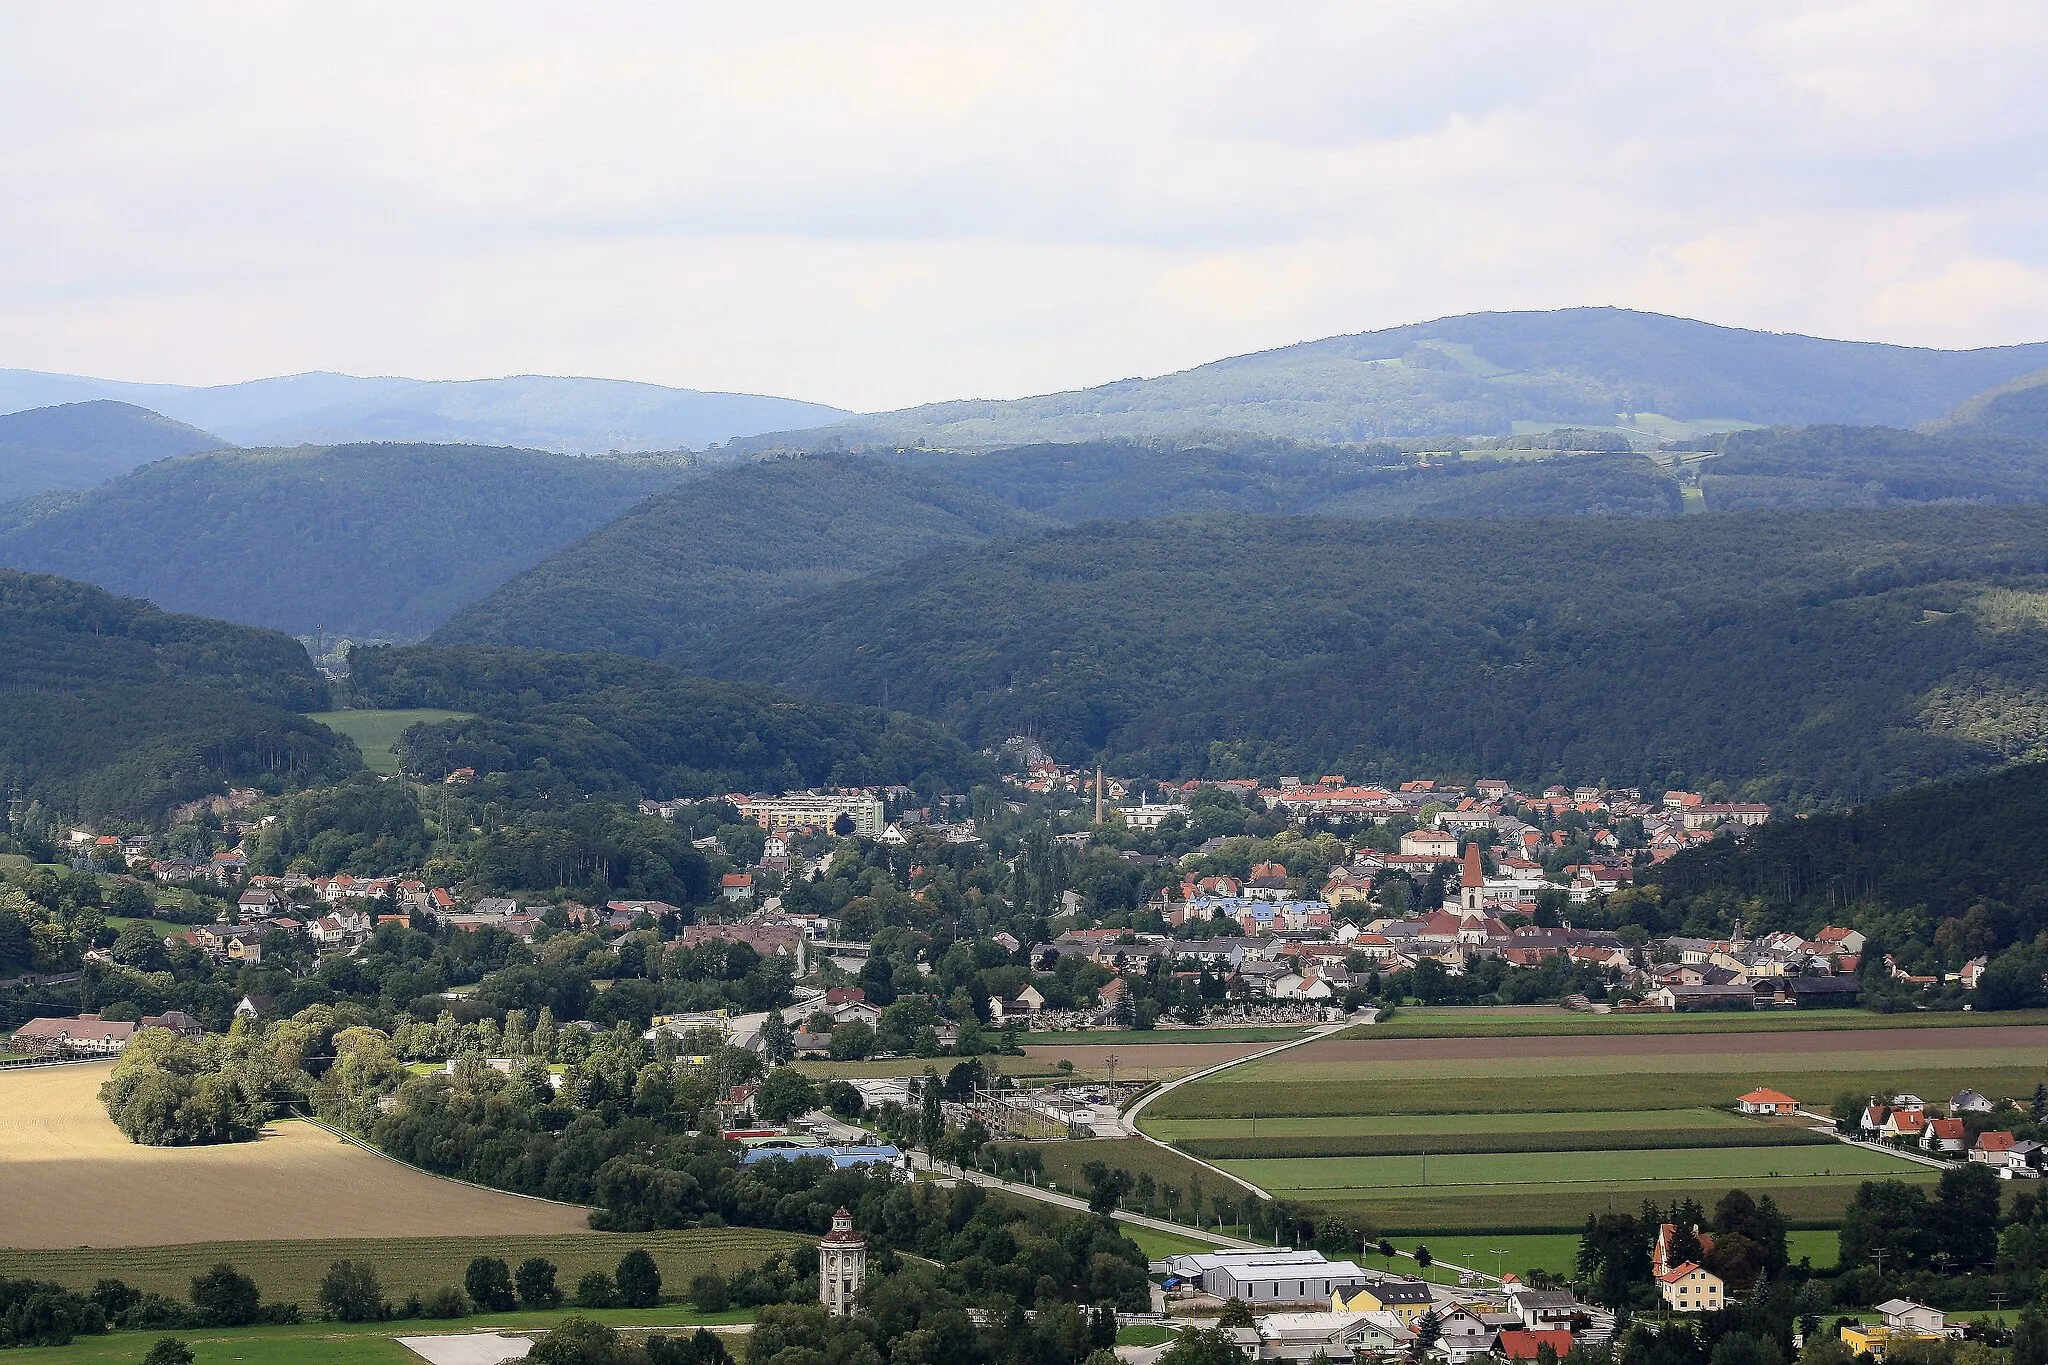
{"x": 882, "y": 204}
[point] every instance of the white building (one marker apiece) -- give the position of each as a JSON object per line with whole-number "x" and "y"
{"x": 842, "y": 1266}
{"x": 798, "y": 809}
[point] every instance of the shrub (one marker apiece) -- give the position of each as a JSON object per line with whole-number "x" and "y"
{"x": 446, "y": 1302}
{"x": 708, "y": 1292}
{"x": 535, "y": 1281}
{"x": 226, "y": 1297}
{"x": 638, "y": 1280}
{"x": 349, "y": 1292}
{"x": 168, "y": 1351}
{"x": 595, "y": 1290}
{"x": 490, "y": 1285}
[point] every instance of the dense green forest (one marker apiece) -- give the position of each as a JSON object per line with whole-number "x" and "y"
{"x": 369, "y": 541}
{"x": 1831, "y": 466}
{"x": 1480, "y": 373}
{"x": 551, "y": 729}
{"x": 1824, "y": 655}
{"x": 77, "y": 445}
{"x": 725, "y": 546}
{"x": 110, "y": 707}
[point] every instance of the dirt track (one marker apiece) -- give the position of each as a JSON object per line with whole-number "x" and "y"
{"x": 1959, "y": 1040}
{"x": 69, "y": 1178}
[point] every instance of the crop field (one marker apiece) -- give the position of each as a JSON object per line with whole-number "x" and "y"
{"x": 1255, "y": 1033}
{"x": 1557, "y": 1252}
{"x": 1532, "y": 1022}
{"x": 1158, "y": 1245}
{"x": 290, "y": 1271}
{"x": 1143, "y": 1061}
{"x": 1531, "y": 1132}
{"x": 376, "y": 732}
{"x": 69, "y": 1178}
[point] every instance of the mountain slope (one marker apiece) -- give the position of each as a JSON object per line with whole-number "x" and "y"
{"x": 110, "y": 707}
{"x": 726, "y": 545}
{"x": 544, "y": 412}
{"x": 1482, "y": 373}
{"x": 551, "y": 729}
{"x": 77, "y": 445}
{"x": 1825, "y": 655}
{"x": 2016, "y": 410}
{"x": 369, "y": 541}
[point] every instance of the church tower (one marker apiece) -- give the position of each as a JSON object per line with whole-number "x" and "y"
{"x": 1472, "y": 882}
{"x": 842, "y": 1266}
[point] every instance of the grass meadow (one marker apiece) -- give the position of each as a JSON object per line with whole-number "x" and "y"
{"x": 376, "y": 732}
{"x": 1725, "y": 1165}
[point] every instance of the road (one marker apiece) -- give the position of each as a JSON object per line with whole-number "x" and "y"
{"x": 1130, "y": 1117}
{"x": 1068, "y": 1201}
{"x": 1828, "y": 1127}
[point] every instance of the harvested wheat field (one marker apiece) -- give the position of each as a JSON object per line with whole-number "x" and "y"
{"x": 69, "y": 1178}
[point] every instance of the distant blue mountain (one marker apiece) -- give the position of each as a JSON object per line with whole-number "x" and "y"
{"x": 541, "y": 412}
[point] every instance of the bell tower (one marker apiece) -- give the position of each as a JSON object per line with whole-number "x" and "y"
{"x": 842, "y": 1266}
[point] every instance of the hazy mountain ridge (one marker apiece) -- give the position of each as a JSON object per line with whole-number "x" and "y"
{"x": 77, "y": 445}
{"x": 1482, "y": 373}
{"x": 544, "y": 412}
{"x": 369, "y": 541}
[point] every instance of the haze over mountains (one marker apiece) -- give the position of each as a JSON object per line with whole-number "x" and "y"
{"x": 569, "y": 415}
{"x": 81, "y": 444}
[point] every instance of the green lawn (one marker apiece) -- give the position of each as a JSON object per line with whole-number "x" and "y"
{"x": 1144, "y": 1334}
{"x": 1158, "y": 1245}
{"x": 1624, "y": 1139}
{"x": 375, "y": 732}
{"x": 1493, "y": 1209}
{"x": 341, "y": 1343}
{"x": 1724, "y": 1164}
{"x": 1516, "y": 1022}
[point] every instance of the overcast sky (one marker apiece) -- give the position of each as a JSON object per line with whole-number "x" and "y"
{"x": 881, "y": 204}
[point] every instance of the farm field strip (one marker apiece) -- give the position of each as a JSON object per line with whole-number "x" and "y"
{"x": 1557, "y": 1252}
{"x": 1527, "y": 1168}
{"x": 290, "y": 1271}
{"x": 1414, "y": 1212}
{"x": 1492, "y": 1022}
{"x": 1397, "y": 1125}
{"x": 1356, "y": 1091}
{"x": 1305, "y": 1068}
{"x": 1554, "y": 1140}
{"x": 1250, "y": 1033}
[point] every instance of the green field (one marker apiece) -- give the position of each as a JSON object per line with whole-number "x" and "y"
{"x": 1552, "y": 1085}
{"x": 1557, "y": 1252}
{"x": 342, "y": 1343}
{"x": 289, "y": 1272}
{"x": 1563, "y": 1207}
{"x": 1516, "y": 1022}
{"x": 1064, "y": 1160}
{"x": 376, "y": 732}
{"x": 1725, "y": 1165}
{"x": 1406, "y": 1125}
{"x": 1158, "y": 1245}
{"x": 1619, "y": 1139}
{"x": 1145, "y": 1334}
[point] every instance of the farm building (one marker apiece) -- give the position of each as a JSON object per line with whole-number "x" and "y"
{"x": 1761, "y": 1101}
{"x": 1267, "y": 1276}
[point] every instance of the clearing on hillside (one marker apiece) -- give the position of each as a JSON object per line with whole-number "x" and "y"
{"x": 69, "y": 1178}
{"x": 376, "y": 732}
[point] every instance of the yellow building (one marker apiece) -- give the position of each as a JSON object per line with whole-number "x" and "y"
{"x": 1860, "y": 1339}
{"x": 1407, "y": 1300}
{"x": 1690, "y": 1288}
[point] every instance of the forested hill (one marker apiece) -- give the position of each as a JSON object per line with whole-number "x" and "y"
{"x": 77, "y": 445}
{"x": 369, "y": 541}
{"x": 1938, "y": 849}
{"x": 1481, "y": 373}
{"x": 2018, "y": 409}
{"x": 110, "y": 707}
{"x": 731, "y": 543}
{"x": 552, "y": 729}
{"x": 1826, "y": 656}
{"x": 1833, "y": 466}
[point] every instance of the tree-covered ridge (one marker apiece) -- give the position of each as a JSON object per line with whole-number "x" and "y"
{"x": 77, "y": 445}
{"x": 553, "y": 728}
{"x": 2017, "y": 409}
{"x": 1788, "y": 653}
{"x": 1481, "y": 373}
{"x": 369, "y": 541}
{"x": 724, "y": 546}
{"x": 1835, "y": 466}
{"x": 110, "y": 707}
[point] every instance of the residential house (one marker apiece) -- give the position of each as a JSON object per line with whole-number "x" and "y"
{"x": 1762, "y": 1101}
{"x": 1331, "y": 1335}
{"x": 1906, "y": 1318}
{"x": 1904, "y": 1125}
{"x": 1430, "y": 843}
{"x": 1661, "y": 1257}
{"x": 256, "y": 1007}
{"x": 1406, "y": 1299}
{"x": 1463, "y": 1334}
{"x": 1690, "y": 1288}
{"x": 2008, "y": 1158}
{"x": 737, "y": 887}
{"x": 85, "y": 1034}
{"x": 1945, "y": 1135}
{"x": 1543, "y": 1309}
{"x": 177, "y": 1021}
{"x": 1969, "y": 1102}
{"x": 1526, "y": 1344}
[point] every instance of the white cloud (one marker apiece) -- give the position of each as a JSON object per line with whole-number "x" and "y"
{"x": 883, "y": 204}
